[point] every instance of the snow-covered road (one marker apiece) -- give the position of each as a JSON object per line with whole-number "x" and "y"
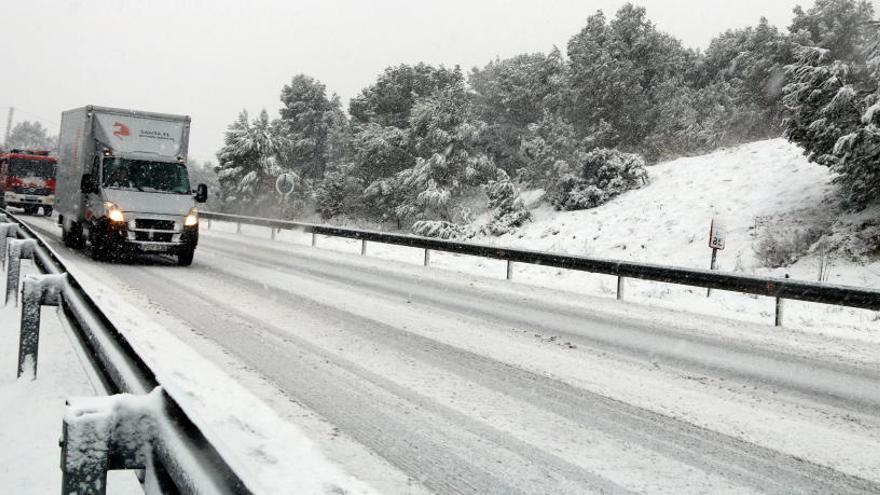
{"x": 420, "y": 379}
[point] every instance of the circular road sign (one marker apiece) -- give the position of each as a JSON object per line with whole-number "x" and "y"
{"x": 285, "y": 183}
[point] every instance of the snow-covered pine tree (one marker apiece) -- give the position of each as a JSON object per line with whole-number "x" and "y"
{"x": 750, "y": 63}
{"x": 858, "y": 152}
{"x": 833, "y": 94}
{"x": 615, "y": 69}
{"x": 548, "y": 143}
{"x": 340, "y": 192}
{"x": 390, "y": 100}
{"x": 314, "y": 126}
{"x": 249, "y": 163}
{"x": 597, "y": 177}
{"x": 29, "y": 135}
{"x": 821, "y": 103}
{"x": 505, "y": 204}
{"x": 511, "y": 94}
{"x": 446, "y": 141}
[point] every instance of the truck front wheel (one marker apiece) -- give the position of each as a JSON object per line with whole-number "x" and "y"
{"x": 97, "y": 244}
{"x": 72, "y": 238}
{"x": 47, "y": 210}
{"x": 185, "y": 257}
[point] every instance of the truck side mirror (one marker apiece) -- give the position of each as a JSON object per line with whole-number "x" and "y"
{"x": 87, "y": 184}
{"x": 201, "y": 193}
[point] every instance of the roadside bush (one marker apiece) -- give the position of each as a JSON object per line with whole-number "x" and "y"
{"x": 340, "y": 192}
{"x": 440, "y": 229}
{"x": 781, "y": 246}
{"x": 599, "y": 176}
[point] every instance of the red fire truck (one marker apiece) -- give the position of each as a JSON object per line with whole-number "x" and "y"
{"x": 27, "y": 179}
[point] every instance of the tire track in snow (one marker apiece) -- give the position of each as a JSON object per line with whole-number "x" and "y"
{"x": 798, "y": 376}
{"x": 446, "y": 450}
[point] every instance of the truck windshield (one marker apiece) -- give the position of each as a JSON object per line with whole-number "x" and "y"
{"x": 20, "y": 167}
{"x": 145, "y": 176}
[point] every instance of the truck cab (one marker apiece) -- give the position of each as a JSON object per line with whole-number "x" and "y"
{"x": 27, "y": 179}
{"x": 141, "y": 203}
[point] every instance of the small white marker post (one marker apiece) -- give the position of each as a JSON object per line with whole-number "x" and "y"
{"x": 717, "y": 237}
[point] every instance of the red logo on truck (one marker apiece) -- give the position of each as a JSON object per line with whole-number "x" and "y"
{"x": 121, "y": 129}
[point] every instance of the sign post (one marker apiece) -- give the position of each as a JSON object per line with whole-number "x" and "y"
{"x": 717, "y": 237}
{"x": 284, "y": 186}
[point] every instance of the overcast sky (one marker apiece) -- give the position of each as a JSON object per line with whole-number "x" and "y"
{"x": 212, "y": 58}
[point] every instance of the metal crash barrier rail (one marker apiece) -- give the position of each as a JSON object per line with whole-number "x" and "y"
{"x": 779, "y": 288}
{"x": 144, "y": 428}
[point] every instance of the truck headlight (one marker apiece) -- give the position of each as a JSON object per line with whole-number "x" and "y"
{"x": 114, "y": 213}
{"x": 192, "y": 219}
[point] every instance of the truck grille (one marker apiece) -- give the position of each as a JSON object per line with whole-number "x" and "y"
{"x": 152, "y": 236}
{"x": 37, "y": 191}
{"x": 146, "y": 223}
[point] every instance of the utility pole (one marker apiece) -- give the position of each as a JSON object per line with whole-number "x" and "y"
{"x": 8, "y": 127}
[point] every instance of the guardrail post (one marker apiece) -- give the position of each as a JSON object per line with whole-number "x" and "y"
{"x": 208, "y": 223}
{"x": 7, "y": 230}
{"x": 272, "y": 233}
{"x": 779, "y": 308}
{"x": 363, "y": 247}
{"x": 509, "y": 270}
{"x": 18, "y": 249}
{"x": 427, "y": 256}
{"x": 100, "y": 434}
{"x": 620, "y": 288}
{"x": 238, "y": 227}
{"x": 314, "y": 239}
{"x": 37, "y": 291}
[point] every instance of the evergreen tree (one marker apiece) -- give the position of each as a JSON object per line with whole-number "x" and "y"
{"x": 615, "y": 70}
{"x": 547, "y": 143}
{"x": 445, "y": 140}
{"x": 314, "y": 126}
{"x": 339, "y": 192}
{"x": 750, "y": 62}
{"x": 833, "y": 94}
{"x": 389, "y": 101}
{"x": 821, "y": 102}
{"x": 858, "y": 152}
{"x": 840, "y": 26}
{"x": 381, "y": 117}
{"x": 511, "y": 94}
{"x": 381, "y": 151}
{"x": 30, "y": 136}
{"x": 505, "y": 204}
{"x": 249, "y": 163}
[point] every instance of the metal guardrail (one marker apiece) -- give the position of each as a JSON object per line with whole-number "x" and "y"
{"x": 181, "y": 459}
{"x": 779, "y": 288}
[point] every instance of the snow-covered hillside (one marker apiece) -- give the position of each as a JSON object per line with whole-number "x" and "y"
{"x": 668, "y": 220}
{"x": 766, "y": 186}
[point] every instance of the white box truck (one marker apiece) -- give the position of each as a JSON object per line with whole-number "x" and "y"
{"x": 123, "y": 185}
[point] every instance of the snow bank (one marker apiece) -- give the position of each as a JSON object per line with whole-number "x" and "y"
{"x": 270, "y": 454}
{"x": 32, "y": 410}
